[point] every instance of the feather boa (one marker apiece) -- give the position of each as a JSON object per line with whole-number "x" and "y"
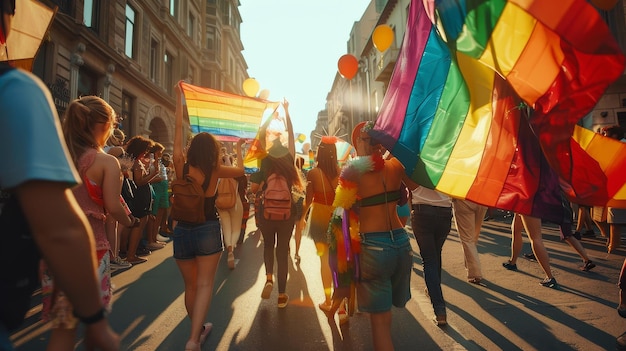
{"x": 343, "y": 229}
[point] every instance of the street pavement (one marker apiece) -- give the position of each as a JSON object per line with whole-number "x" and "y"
{"x": 507, "y": 311}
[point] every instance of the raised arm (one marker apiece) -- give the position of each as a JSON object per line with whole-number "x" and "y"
{"x": 292, "y": 140}
{"x": 178, "y": 156}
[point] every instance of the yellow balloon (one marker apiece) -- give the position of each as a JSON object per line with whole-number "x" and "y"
{"x": 251, "y": 87}
{"x": 382, "y": 37}
{"x": 605, "y": 5}
{"x": 264, "y": 94}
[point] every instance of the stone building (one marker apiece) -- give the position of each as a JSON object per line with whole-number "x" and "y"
{"x": 132, "y": 53}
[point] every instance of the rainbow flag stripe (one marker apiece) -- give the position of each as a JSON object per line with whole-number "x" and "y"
{"x": 227, "y": 116}
{"x": 484, "y": 100}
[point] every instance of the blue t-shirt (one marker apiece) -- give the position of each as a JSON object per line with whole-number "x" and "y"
{"x": 30, "y": 133}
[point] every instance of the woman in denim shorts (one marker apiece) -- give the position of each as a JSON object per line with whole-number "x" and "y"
{"x": 198, "y": 247}
{"x": 386, "y": 256}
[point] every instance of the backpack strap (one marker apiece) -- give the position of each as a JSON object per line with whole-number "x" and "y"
{"x": 207, "y": 180}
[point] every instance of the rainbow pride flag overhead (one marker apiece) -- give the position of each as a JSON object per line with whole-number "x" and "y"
{"x": 227, "y": 116}
{"x": 484, "y": 100}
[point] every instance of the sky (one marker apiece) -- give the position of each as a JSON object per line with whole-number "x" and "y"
{"x": 292, "y": 48}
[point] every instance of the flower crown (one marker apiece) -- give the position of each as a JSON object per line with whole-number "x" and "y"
{"x": 369, "y": 125}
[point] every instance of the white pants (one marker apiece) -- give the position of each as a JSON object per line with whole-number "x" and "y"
{"x": 231, "y": 223}
{"x": 468, "y": 218}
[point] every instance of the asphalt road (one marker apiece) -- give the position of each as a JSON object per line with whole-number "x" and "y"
{"x": 508, "y": 311}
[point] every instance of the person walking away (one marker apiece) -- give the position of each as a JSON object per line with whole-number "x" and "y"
{"x": 299, "y": 197}
{"x": 322, "y": 180}
{"x": 242, "y": 190}
{"x": 198, "y": 246}
{"x": 468, "y": 219}
{"x": 87, "y": 125}
{"x": 230, "y": 209}
{"x": 42, "y": 174}
{"x": 276, "y": 231}
{"x": 532, "y": 225}
{"x": 385, "y": 253}
{"x": 431, "y": 221}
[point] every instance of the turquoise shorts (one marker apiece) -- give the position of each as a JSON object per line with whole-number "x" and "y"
{"x": 386, "y": 261}
{"x": 161, "y": 196}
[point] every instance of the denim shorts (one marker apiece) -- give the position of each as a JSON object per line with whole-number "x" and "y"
{"x": 385, "y": 267}
{"x": 198, "y": 240}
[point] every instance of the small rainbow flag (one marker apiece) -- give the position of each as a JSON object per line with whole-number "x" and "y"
{"x": 227, "y": 116}
{"x": 484, "y": 100}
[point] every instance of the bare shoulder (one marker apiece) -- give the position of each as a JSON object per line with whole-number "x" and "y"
{"x": 394, "y": 163}
{"x": 107, "y": 159}
{"x": 312, "y": 173}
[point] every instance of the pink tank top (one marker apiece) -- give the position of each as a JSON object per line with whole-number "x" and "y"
{"x": 89, "y": 197}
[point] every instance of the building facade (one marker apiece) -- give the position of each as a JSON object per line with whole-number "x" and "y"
{"x": 132, "y": 53}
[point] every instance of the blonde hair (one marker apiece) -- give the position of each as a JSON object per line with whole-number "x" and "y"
{"x": 118, "y": 137}
{"x": 81, "y": 117}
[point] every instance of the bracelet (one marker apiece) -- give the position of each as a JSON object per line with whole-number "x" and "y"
{"x": 135, "y": 221}
{"x": 97, "y": 317}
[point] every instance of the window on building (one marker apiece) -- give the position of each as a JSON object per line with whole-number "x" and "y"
{"x": 168, "y": 60}
{"x": 91, "y": 13}
{"x": 64, "y": 5}
{"x": 210, "y": 37}
{"x": 192, "y": 74}
{"x": 191, "y": 27}
{"x": 154, "y": 60}
{"x": 225, "y": 12}
{"x": 87, "y": 82}
{"x": 211, "y": 42}
{"x": 174, "y": 8}
{"x": 211, "y": 7}
{"x": 41, "y": 60}
{"x": 129, "y": 48}
{"x": 126, "y": 117}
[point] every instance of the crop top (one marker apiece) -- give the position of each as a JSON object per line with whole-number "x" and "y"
{"x": 380, "y": 199}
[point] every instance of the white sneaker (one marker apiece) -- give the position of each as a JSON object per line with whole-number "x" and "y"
{"x": 162, "y": 238}
{"x": 120, "y": 263}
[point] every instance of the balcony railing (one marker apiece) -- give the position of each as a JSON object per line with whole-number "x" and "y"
{"x": 385, "y": 64}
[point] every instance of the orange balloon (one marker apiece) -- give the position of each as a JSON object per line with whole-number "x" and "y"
{"x": 605, "y": 5}
{"x": 250, "y": 87}
{"x": 382, "y": 37}
{"x": 348, "y": 66}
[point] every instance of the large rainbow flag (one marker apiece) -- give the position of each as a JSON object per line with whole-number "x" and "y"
{"x": 484, "y": 100}
{"x": 227, "y": 116}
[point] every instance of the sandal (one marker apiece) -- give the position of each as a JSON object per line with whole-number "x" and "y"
{"x": 343, "y": 317}
{"x": 206, "y": 329}
{"x": 267, "y": 289}
{"x": 327, "y": 309}
{"x": 283, "y": 299}
{"x": 231, "y": 260}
